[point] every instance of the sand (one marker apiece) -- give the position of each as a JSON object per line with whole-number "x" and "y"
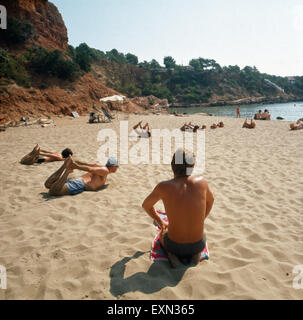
{"x": 96, "y": 245}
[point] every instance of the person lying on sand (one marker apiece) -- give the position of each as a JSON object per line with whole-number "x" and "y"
{"x": 203, "y": 127}
{"x": 188, "y": 201}
{"x": 220, "y": 124}
{"x": 145, "y": 130}
{"x": 296, "y": 126}
{"x": 214, "y": 126}
{"x": 59, "y": 184}
{"x": 177, "y": 114}
{"x": 94, "y": 117}
{"x": 38, "y": 155}
{"x": 189, "y": 127}
{"x": 250, "y": 125}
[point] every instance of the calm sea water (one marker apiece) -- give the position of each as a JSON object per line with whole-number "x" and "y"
{"x": 289, "y": 111}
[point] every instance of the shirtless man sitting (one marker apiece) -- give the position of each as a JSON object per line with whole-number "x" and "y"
{"x": 59, "y": 184}
{"x": 187, "y": 201}
{"x": 250, "y": 125}
{"x": 37, "y": 155}
{"x": 296, "y": 126}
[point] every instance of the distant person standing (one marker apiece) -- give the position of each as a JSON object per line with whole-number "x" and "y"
{"x": 238, "y": 112}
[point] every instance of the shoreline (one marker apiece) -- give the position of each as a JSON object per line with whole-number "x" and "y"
{"x": 233, "y": 103}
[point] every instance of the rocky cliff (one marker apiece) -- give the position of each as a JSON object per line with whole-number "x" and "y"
{"x": 49, "y": 27}
{"x": 48, "y": 95}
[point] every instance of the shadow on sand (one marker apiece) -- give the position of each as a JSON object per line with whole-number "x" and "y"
{"x": 159, "y": 276}
{"x": 47, "y": 197}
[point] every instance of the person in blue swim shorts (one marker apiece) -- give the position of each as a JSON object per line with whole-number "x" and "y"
{"x": 94, "y": 178}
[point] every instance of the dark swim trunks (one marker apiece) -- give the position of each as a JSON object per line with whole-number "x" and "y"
{"x": 184, "y": 249}
{"x": 41, "y": 160}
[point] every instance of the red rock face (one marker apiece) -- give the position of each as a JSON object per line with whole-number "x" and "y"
{"x": 60, "y": 98}
{"x": 45, "y": 18}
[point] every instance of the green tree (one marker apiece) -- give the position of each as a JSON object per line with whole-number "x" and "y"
{"x": 18, "y": 31}
{"x": 131, "y": 59}
{"x": 115, "y": 56}
{"x": 154, "y": 64}
{"x": 83, "y": 57}
{"x": 169, "y": 62}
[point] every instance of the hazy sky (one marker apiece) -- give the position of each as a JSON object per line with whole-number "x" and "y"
{"x": 267, "y": 34}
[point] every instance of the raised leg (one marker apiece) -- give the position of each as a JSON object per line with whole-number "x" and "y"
{"x": 32, "y": 157}
{"x": 55, "y": 176}
{"x": 138, "y": 125}
{"x": 146, "y": 126}
{"x": 59, "y": 188}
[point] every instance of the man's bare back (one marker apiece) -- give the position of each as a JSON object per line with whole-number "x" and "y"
{"x": 187, "y": 201}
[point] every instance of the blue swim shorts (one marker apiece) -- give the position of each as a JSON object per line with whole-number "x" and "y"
{"x": 75, "y": 186}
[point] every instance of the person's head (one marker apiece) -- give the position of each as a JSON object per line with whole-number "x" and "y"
{"x": 112, "y": 164}
{"x": 196, "y": 128}
{"x": 260, "y": 111}
{"x": 292, "y": 126}
{"x": 66, "y": 153}
{"x": 183, "y": 163}
{"x": 204, "y": 127}
{"x": 266, "y": 111}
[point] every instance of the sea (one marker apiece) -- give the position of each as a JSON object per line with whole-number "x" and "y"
{"x": 288, "y": 111}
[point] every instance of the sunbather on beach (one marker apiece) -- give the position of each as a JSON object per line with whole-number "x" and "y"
{"x": 221, "y": 124}
{"x": 250, "y": 125}
{"x": 37, "y": 155}
{"x": 296, "y": 126}
{"x": 94, "y": 117}
{"x": 145, "y": 130}
{"x": 258, "y": 115}
{"x": 214, "y": 126}
{"x": 59, "y": 184}
{"x": 265, "y": 115}
{"x": 188, "y": 201}
{"x": 189, "y": 127}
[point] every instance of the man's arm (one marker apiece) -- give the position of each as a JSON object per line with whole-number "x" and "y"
{"x": 99, "y": 171}
{"x": 150, "y": 201}
{"x": 80, "y": 163}
{"x": 209, "y": 201}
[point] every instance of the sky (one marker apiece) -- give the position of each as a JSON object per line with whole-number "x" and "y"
{"x": 267, "y": 34}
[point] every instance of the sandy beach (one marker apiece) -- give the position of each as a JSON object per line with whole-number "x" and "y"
{"x": 96, "y": 245}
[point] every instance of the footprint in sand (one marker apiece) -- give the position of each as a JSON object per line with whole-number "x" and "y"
{"x": 269, "y": 226}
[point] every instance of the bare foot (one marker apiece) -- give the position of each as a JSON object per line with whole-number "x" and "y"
{"x": 68, "y": 161}
{"x": 69, "y": 164}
